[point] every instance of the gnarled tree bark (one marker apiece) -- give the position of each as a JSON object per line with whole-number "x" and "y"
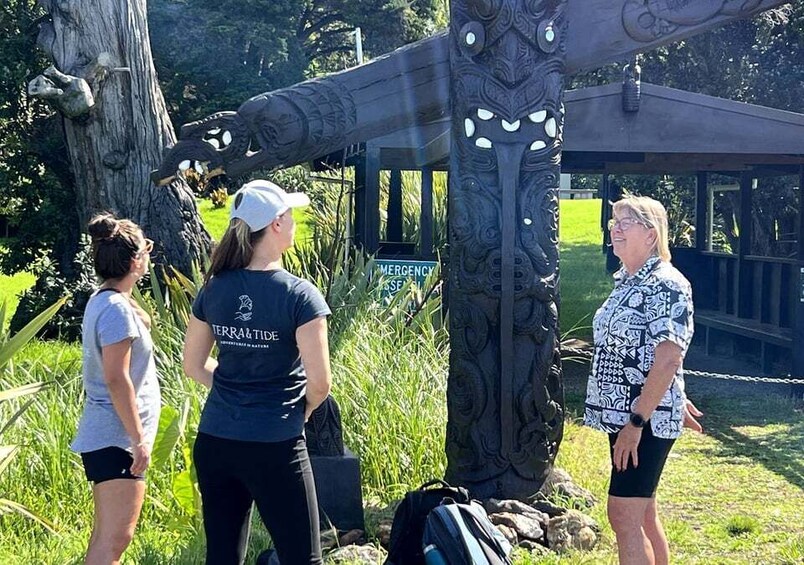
{"x": 116, "y": 142}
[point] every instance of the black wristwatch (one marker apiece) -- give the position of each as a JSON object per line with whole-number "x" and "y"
{"x": 637, "y": 420}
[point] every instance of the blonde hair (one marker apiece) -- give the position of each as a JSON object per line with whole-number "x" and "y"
{"x": 235, "y": 249}
{"x": 653, "y": 214}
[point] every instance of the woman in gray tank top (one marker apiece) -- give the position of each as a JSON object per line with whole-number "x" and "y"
{"x": 121, "y": 412}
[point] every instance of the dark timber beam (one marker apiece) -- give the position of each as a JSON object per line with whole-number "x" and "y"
{"x": 426, "y": 215}
{"x": 702, "y": 218}
{"x": 798, "y": 328}
{"x": 744, "y": 278}
{"x": 393, "y": 231}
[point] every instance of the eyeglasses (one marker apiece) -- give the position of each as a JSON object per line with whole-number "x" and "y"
{"x": 626, "y": 223}
{"x": 149, "y": 246}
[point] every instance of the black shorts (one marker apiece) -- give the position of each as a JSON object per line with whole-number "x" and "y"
{"x": 640, "y": 482}
{"x": 107, "y": 464}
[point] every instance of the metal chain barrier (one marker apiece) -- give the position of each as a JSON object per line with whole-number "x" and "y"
{"x": 774, "y": 380}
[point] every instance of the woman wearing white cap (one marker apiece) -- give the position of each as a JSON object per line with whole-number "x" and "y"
{"x": 272, "y": 371}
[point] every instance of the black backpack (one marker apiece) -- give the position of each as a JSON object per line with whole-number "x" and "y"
{"x": 462, "y": 534}
{"x": 408, "y": 527}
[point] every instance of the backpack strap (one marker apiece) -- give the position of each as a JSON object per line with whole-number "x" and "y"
{"x": 468, "y": 538}
{"x": 435, "y": 482}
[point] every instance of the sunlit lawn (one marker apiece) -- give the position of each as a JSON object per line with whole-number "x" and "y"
{"x": 217, "y": 219}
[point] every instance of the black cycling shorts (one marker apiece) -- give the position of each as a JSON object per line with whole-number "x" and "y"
{"x": 107, "y": 464}
{"x": 640, "y": 482}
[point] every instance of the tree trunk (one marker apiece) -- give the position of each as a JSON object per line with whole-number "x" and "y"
{"x": 115, "y": 145}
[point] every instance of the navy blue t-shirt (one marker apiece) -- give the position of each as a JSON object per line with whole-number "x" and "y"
{"x": 259, "y": 386}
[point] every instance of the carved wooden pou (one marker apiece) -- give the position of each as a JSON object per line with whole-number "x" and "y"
{"x": 504, "y": 397}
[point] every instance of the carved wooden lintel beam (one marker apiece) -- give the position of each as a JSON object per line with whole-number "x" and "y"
{"x": 316, "y": 117}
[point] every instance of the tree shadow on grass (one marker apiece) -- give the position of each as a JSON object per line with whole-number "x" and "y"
{"x": 780, "y": 451}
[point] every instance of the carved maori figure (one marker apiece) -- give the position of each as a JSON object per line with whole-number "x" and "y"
{"x": 505, "y": 397}
{"x": 295, "y": 122}
{"x": 501, "y": 68}
{"x": 71, "y": 95}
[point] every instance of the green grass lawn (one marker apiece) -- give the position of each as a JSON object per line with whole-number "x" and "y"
{"x": 584, "y": 280}
{"x": 216, "y": 220}
{"x": 10, "y": 289}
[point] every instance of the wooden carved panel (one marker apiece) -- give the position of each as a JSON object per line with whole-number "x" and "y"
{"x": 505, "y": 397}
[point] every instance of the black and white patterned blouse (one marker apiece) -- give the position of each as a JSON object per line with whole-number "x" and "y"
{"x": 643, "y": 310}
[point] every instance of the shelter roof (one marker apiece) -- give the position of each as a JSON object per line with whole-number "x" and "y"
{"x": 673, "y": 131}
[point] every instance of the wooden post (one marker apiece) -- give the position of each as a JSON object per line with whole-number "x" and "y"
{"x": 426, "y": 215}
{"x": 393, "y": 230}
{"x": 744, "y": 278}
{"x": 371, "y": 237}
{"x": 702, "y": 219}
{"x": 798, "y": 330}
{"x": 504, "y": 394}
{"x": 605, "y": 211}
{"x": 359, "y": 230}
{"x": 614, "y": 192}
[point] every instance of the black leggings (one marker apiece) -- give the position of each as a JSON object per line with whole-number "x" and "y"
{"x": 277, "y": 477}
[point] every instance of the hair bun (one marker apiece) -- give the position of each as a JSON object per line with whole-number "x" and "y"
{"x": 103, "y": 226}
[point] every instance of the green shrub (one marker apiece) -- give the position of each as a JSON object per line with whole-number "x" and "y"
{"x": 741, "y": 525}
{"x": 219, "y": 197}
{"x": 52, "y": 284}
{"x": 9, "y": 347}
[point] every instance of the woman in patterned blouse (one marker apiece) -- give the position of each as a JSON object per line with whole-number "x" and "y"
{"x": 636, "y": 388}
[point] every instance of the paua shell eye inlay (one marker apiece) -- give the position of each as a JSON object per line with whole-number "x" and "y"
{"x": 538, "y": 117}
{"x": 547, "y": 36}
{"x": 472, "y": 38}
{"x": 550, "y": 127}
{"x": 484, "y": 114}
{"x": 469, "y": 127}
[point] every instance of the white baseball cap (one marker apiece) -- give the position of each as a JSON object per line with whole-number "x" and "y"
{"x": 260, "y": 202}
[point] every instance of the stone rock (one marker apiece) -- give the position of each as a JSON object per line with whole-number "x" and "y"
{"x": 384, "y": 533}
{"x": 534, "y": 547}
{"x": 509, "y": 533}
{"x": 573, "y": 530}
{"x": 539, "y": 502}
{"x": 353, "y": 554}
{"x": 559, "y": 484}
{"x": 515, "y": 506}
{"x": 329, "y": 539}
{"x": 524, "y": 525}
{"x": 350, "y": 537}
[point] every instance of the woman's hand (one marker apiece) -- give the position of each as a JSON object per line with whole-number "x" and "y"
{"x": 690, "y": 415}
{"x": 141, "y": 453}
{"x": 625, "y": 447}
